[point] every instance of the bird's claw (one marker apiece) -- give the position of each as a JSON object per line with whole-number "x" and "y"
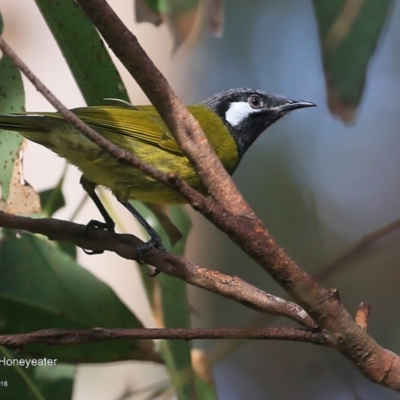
{"x": 93, "y": 224}
{"x": 154, "y": 243}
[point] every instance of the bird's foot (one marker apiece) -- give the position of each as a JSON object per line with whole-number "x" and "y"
{"x": 153, "y": 243}
{"x": 93, "y": 224}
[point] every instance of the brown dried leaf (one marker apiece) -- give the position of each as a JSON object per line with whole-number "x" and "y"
{"x": 22, "y": 198}
{"x": 144, "y": 13}
{"x": 202, "y": 366}
{"x": 183, "y": 25}
{"x": 215, "y": 15}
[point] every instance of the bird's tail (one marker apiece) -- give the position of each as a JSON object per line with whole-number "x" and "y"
{"x": 26, "y": 122}
{"x": 33, "y": 126}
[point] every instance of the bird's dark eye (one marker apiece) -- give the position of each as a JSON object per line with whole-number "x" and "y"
{"x": 255, "y": 101}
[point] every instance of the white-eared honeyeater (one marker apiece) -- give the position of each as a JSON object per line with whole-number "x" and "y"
{"x": 231, "y": 120}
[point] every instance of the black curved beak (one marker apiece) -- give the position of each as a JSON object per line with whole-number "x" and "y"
{"x": 294, "y": 105}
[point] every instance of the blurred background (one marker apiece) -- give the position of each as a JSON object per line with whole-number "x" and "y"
{"x": 318, "y": 184}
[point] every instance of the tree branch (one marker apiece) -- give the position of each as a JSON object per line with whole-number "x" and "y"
{"x": 124, "y": 245}
{"x": 70, "y": 336}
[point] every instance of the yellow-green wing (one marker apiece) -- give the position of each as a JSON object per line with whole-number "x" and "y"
{"x": 144, "y": 124}
{"x": 141, "y": 123}
{"x": 124, "y": 125}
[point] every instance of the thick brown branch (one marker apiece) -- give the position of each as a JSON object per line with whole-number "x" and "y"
{"x": 68, "y": 337}
{"x": 124, "y": 245}
{"x": 377, "y": 363}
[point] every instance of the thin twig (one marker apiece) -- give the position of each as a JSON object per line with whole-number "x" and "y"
{"x": 70, "y": 336}
{"x": 356, "y": 248}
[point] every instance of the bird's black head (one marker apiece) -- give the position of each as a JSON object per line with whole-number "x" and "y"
{"x": 247, "y": 112}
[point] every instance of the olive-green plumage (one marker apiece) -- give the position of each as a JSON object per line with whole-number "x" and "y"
{"x": 139, "y": 130}
{"x": 231, "y": 120}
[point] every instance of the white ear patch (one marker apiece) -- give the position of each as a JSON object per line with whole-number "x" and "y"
{"x": 237, "y": 112}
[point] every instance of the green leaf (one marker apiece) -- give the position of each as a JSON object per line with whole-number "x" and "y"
{"x": 68, "y": 248}
{"x": 52, "y": 200}
{"x": 82, "y": 47}
{"x": 41, "y": 287}
{"x": 176, "y": 311}
{"x": 177, "y": 353}
{"x": 181, "y": 220}
{"x": 206, "y": 390}
{"x": 349, "y": 31}
{"x": 170, "y": 6}
{"x": 56, "y": 382}
{"x": 12, "y": 99}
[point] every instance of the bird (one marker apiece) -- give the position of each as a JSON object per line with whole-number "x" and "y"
{"x": 231, "y": 120}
